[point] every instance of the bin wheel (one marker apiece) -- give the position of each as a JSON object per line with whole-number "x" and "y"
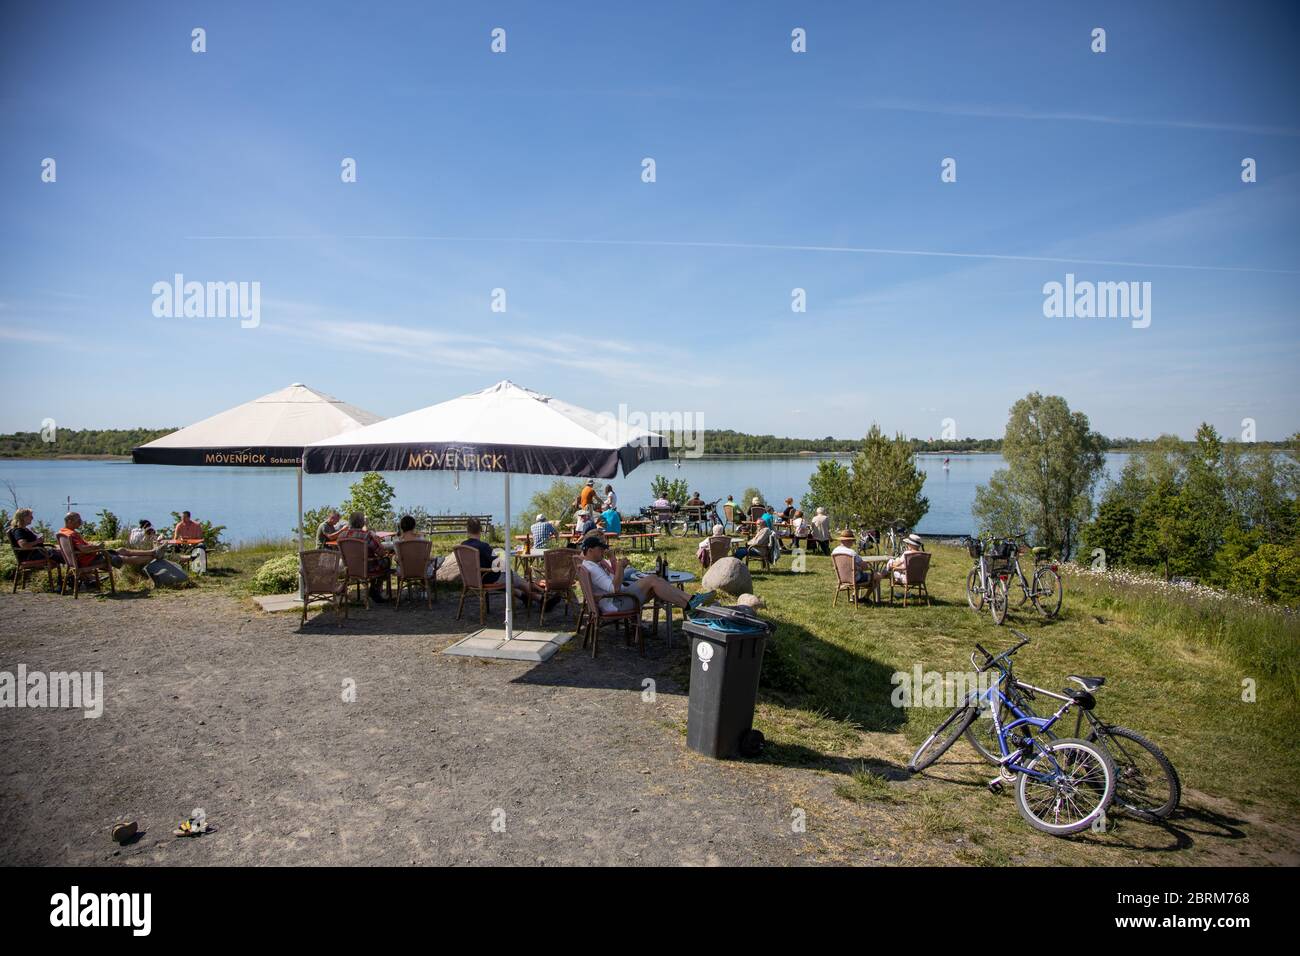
{"x": 751, "y": 745}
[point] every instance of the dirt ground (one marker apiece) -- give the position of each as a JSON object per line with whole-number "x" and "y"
{"x": 210, "y": 704}
{"x": 439, "y": 760}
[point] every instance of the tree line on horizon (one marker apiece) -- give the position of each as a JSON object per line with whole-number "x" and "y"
{"x": 120, "y": 441}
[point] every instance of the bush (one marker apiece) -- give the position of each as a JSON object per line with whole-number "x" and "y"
{"x": 277, "y": 576}
{"x": 554, "y": 502}
{"x": 674, "y": 490}
{"x": 373, "y": 496}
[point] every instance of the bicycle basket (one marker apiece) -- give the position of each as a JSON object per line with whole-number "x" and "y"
{"x": 1001, "y": 550}
{"x": 975, "y": 546}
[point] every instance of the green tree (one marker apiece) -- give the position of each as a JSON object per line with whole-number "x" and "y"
{"x": 554, "y": 502}
{"x": 885, "y": 483}
{"x": 830, "y": 487}
{"x": 1111, "y": 531}
{"x": 675, "y": 490}
{"x": 1054, "y": 460}
{"x": 373, "y": 496}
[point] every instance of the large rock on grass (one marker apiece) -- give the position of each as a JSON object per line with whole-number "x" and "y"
{"x": 729, "y": 575}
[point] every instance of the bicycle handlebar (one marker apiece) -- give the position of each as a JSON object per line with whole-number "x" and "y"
{"x": 990, "y": 660}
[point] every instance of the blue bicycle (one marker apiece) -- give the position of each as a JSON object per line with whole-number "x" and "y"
{"x": 1063, "y": 785}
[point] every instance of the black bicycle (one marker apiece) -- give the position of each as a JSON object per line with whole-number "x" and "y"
{"x": 1045, "y": 589}
{"x": 1146, "y": 783}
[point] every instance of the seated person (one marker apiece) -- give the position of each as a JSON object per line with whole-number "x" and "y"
{"x": 143, "y": 536}
{"x": 542, "y": 531}
{"x": 377, "y": 559}
{"x": 800, "y": 530}
{"x": 487, "y": 562}
{"x": 327, "y": 529}
{"x": 662, "y": 504}
{"x": 613, "y": 520}
{"x": 705, "y": 551}
{"x": 863, "y": 573}
{"x": 695, "y": 501}
{"x": 769, "y": 517}
{"x": 27, "y": 544}
{"x": 789, "y": 511}
{"x": 644, "y": 588}
{"x": 584, "y": 525}
{"x": 187, "y": 529}
{"x": 821, "y": 531}
{"x": 759, "y": 544}
{"x": 142, "y": 545}
{"x": 756, "y": 509}
{"x": 89, "y": 554}
{"x": 406, "y": 532}
{"x": 911, "y": 545}
{"x": 611, "y": 499}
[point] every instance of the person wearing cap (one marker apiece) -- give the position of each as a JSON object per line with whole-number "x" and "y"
{"x": 820, "y": 532}
{"x": 911, "y": 545}
{"x": 585, "y": 523}
{"x": 863, "y": 574}
{"x": 542, "y": 531}
{"x": 588, "y": 494}
{"x": 644, "y": 588}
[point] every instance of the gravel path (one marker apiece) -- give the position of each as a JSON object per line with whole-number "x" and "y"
{"x": 211, "y": 704}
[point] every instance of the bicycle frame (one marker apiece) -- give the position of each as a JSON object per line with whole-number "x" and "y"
{"x": 996, "y": 696}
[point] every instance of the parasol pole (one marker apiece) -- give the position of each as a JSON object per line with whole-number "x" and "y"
{"x": 510, "y": 591}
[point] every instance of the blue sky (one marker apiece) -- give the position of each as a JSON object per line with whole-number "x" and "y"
{"x": 775, "y": 170}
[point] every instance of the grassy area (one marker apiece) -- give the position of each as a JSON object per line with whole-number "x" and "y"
{"x": 1175, "y": 667}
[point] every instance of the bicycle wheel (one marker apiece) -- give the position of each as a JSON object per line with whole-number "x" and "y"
{"x": 1080, "y": 787}
{"x": 1048, "y": 591}
{"x": 1146, "y": 783}
{"x": 981, "y": 735}
{"x": 945, "y": 735}
{"x": 998, "y": 602}
{"x": 974, "y": 590}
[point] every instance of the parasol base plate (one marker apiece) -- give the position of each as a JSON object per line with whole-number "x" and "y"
{"x": 534, "y": 646}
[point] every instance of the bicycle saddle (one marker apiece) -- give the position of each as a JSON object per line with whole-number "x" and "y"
{"x": 1087, "y": 683}
{"x": 1081, "y": 697}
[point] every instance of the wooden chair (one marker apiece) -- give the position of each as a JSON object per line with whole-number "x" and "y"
{"x": 761, "y": 555}
{"x": 559, "y": 579}
{"x": 916, "y": 565}
{"x": 356, "y": 568}
{"x": 597, "y": 617}
{"x": 846, "y": 579}
{"x": 719, "y": 547}
{"x": 728, "y": 516}
{"x": 77, "y": 573}
{"x": 413, "y": 571}
{"x": 24, "y": 568}
{"x": 319, "y": 569}
{"x": 471, "y": 579}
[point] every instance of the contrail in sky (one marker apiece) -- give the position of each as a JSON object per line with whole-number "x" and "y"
{"x": 770, "y": 247}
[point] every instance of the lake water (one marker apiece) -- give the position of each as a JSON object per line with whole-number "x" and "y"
{"x": 260, "y": 503}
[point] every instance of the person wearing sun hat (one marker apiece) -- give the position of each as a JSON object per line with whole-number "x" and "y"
{"x": 911, "y": 544}
{"x": 863, "y": 574}
{"x": 644, "y": 587}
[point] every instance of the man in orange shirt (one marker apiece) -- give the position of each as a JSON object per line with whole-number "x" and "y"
{"x": 187, "y": 529}
{"x": 89, "y": 554}
{"x": 588, "y": 494}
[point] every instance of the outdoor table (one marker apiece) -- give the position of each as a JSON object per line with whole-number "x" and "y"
{"x": 524, "y": 561}
{"x": 677, "y": 578}
{"x": 878, "y": 561}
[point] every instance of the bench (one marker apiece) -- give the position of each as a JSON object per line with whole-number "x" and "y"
{"x": 455, "y": 524}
